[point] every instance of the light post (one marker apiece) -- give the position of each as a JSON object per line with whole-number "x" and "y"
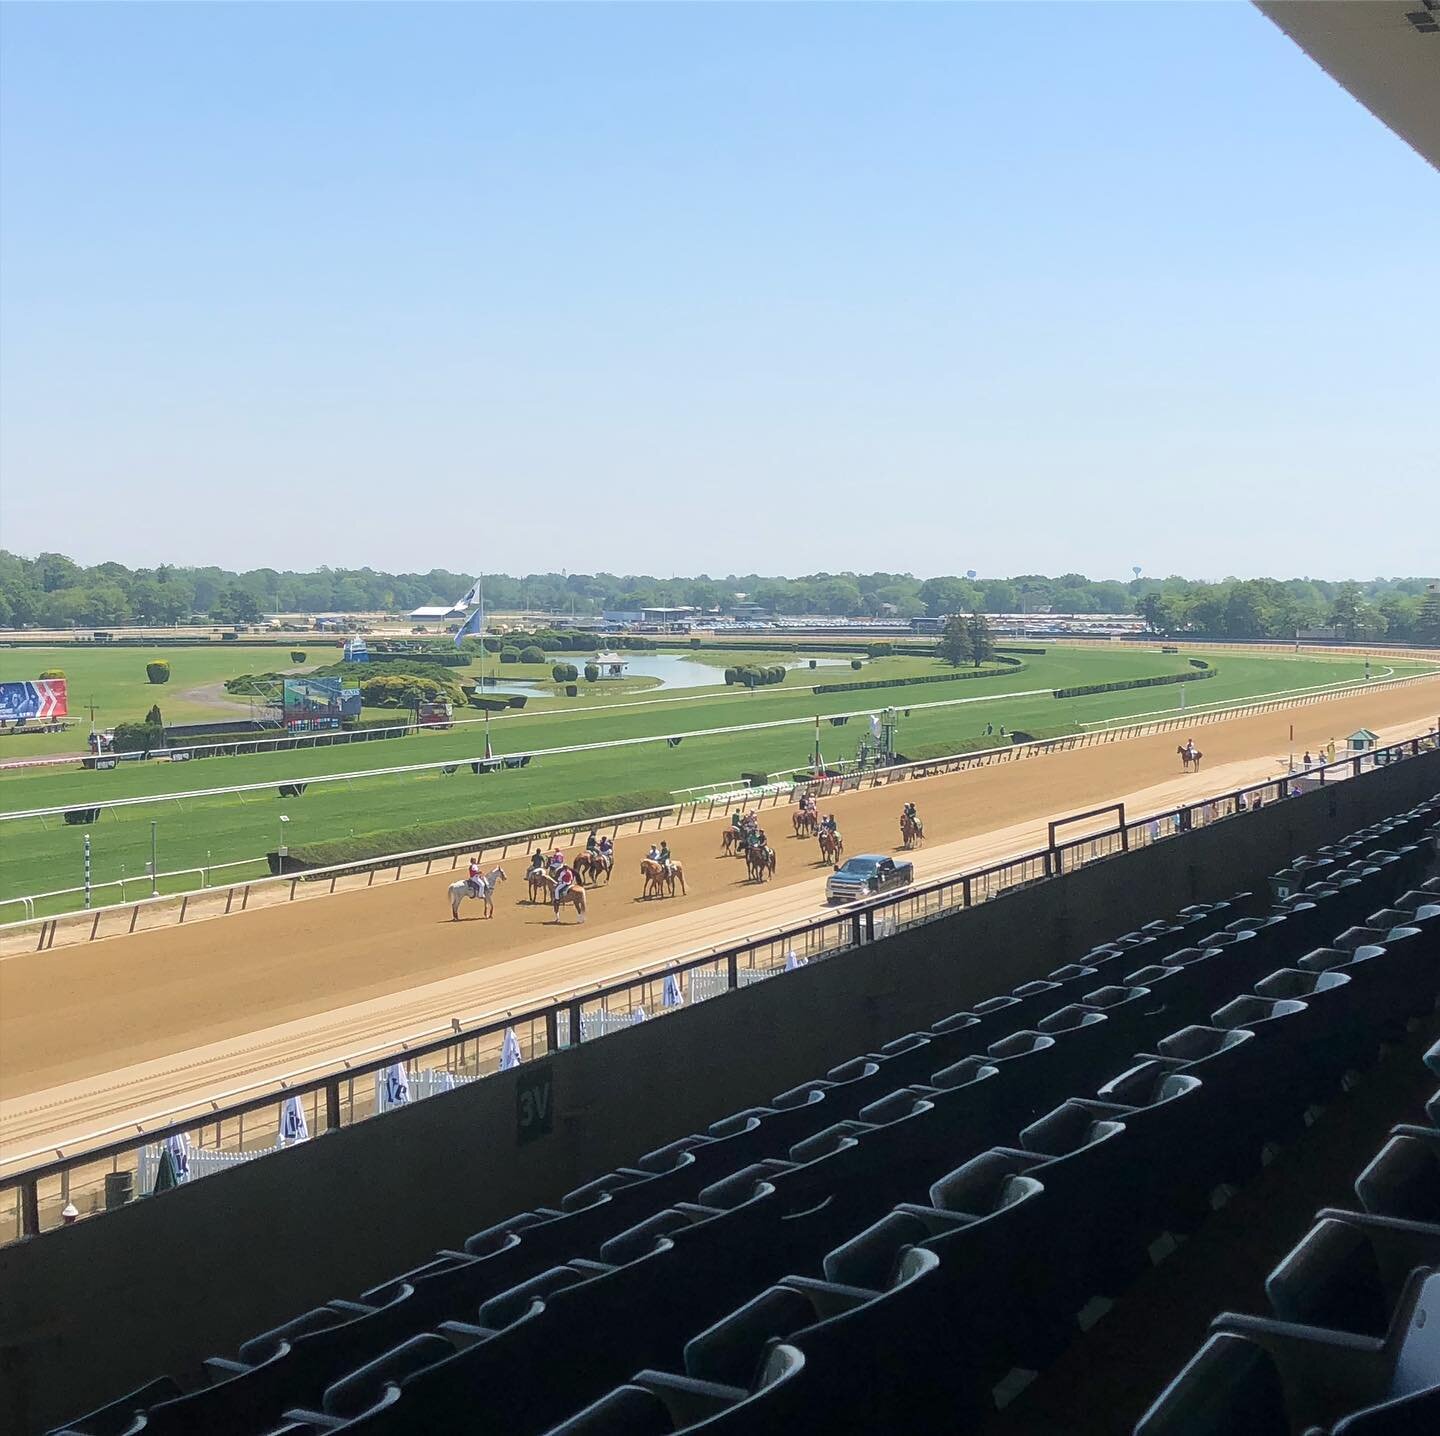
{"x": 154, "y": 865}
{"x": 283, "y": 850}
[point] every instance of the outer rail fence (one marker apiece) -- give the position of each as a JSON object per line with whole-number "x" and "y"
{"x": 31, "y": 1200}
{"x": 37, "y": 932}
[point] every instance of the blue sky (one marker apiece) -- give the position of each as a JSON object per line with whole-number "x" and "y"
{"x": 1014, "y": 287}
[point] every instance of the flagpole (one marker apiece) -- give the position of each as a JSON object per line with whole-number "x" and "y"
{"x": 484, "y": 708}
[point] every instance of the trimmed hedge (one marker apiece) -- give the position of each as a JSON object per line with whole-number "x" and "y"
{"x": 158, "y": 671}
{"x": 1014, "y": 665}
{"x": 532, "y": 654}
{"x": 1160, "y": 682}
{"x": 749, "y": 676}
{"x": 454, "y": 831}
{"x": 564, "y": 672}
{"x": 592, "y": 672}
{"x": 52, "y": 672}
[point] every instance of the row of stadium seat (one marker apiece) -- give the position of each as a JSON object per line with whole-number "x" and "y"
{"x": 1353, "y": 1347}
{"x": 535, "y": 1317}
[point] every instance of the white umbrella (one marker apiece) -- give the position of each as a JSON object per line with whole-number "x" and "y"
{"x": 638, "y": 1015}
{"x": 670, "y": 994}
{"x": 509, "y": 1050}
{"x": 792, "y": 961}
{"x": 293, "y": 1126}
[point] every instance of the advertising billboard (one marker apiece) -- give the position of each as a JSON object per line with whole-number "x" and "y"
{"x": 39, "y": 699}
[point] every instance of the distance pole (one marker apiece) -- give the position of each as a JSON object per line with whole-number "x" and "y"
{"x": 87, "y": 870}
{"x": 154, "y": 868}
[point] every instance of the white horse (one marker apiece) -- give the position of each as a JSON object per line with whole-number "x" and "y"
{"x": 486, "y": 884}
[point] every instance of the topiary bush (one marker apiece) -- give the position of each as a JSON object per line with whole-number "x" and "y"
{"x": 856, "y": 664}
{"x": 296, "y": 656}
{"x": 532, "y": 654}
{"x": 509, "y": 655}
{"x": 158, "y": 671}
{"x": 880, "y": 650}
{"x": 592, "y": 672}
{"x": 52, "y": 673}
{"x": 731, "y": 675}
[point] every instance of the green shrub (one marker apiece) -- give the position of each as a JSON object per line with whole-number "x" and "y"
{"x": 564, "y": 672}
{"x": 158, "y": 671}
{"x": 492, "y": 644}
{"x": 509, "y": 655}
{"x": 296, "y": 656}
{"x": 592, "y": 672}
{"x": 532, "y": 654}
{"x": 880, "y": 650}
{"x": 856, "y": 664}
{"x": 472, "y": 830}
{"x": 153, "y": 717}
{"x": 1013, "y": 665}
{"x": 52, "y": 673}
{"x": 732, "y": 675}
{"x": 137, "y": 737}
{"x": 1163, "y": 680}
{"x": 393, "y": 690}
{"x": 694, "y": 643}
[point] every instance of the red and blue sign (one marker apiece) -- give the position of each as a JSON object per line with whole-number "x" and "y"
{"x": 41, "y": 699}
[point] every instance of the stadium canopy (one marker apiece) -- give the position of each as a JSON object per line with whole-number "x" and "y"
{"x": 453, "y": 610}
{"x": 1385, "y": 52}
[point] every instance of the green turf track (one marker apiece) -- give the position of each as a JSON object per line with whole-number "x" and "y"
{"x": 38, "y": 856}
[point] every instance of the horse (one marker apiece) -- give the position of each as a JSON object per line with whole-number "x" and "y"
{"x": 912, "y": 831}
{"x": 592, "y": 865}
{"x": 575, "y": 897}
{"x": 759, "y": 862}
{"x": 537, "y": 879}
{"x": 806, "y": 821}
{"x": 728, "y": 840}
{"x": 831, "y": 846}
{"x": 1189, "y": 755}
{"x": 658, "y": 881}
{"x": 461, "y": 890}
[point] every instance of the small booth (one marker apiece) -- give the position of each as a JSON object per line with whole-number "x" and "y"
{"x": 1362, "y": 741}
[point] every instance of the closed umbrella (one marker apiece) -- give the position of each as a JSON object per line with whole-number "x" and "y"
{"x": 670, "y": 993}
{"x": 293, "y": 1126}
{"x": 509, "y": 1050}
{"x": 397, "y": 1085}
{"x": 165, "y": 1177}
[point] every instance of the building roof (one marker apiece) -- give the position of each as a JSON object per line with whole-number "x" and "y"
{"x": 438, "y": 611}
{"x": 1385, "y": 52}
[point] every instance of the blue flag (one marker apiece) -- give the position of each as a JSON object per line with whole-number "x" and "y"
{"x": 473, "y": 624}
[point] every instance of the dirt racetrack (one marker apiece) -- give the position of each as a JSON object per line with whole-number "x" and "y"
{"x": 95, "y": 1035}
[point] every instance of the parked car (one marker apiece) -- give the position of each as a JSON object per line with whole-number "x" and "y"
{"x": 866, "y": 875}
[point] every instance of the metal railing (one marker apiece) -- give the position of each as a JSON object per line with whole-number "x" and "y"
{"x": 346, "y": 1093}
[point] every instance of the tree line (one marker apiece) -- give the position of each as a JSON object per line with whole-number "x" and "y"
{"x": 53, "y": 591}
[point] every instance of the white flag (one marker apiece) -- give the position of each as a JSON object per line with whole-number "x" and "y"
{"x": 509, "y": 1050}
{"x": 179, "y": 1146}
{"x": 874, "y": 726}
{"x": 397, "y": 1085}
{"x": 470, "y": 597}
{"x": 792, "y": 961}
{"x": 293, "y": 1127}
{"x": 671, "y": 995}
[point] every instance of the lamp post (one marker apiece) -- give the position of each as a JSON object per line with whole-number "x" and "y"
{"x": 283, "y": 850}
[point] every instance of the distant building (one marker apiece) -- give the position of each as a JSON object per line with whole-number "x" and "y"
{"x": 684, "y": 613}
{"x": 437, "y": 613}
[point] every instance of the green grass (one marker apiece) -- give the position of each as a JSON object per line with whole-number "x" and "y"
{"x": 39, "y": 856}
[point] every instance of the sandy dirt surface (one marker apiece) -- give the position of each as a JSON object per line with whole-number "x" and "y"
{"x": 95, "y": 1036}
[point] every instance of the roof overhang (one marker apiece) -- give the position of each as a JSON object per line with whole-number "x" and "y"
{"x": 1385, "y": 52}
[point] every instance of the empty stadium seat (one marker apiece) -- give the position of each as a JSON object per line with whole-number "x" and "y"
{"x": 1404, "y": 1179}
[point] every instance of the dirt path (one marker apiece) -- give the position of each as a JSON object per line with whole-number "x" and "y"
{"x": 133, "y": 1026}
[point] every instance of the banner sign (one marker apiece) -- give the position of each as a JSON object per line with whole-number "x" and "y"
{"x": 41, "y": 698}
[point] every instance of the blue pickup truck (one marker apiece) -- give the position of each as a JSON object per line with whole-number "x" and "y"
{"x": 866, "y": 875}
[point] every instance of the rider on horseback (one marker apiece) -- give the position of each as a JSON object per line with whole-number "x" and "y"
{"x": 474, "y": 878}
{"x": 592, "y": 843}
{"x": 564, "y": 881}
{"x": 653, "y": 856}
{"x": 663, "y": 857}
{"x": 607, "y": 848}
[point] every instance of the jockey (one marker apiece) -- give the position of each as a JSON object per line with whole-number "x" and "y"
{"x": 474, "y": 878}
{"x": 564, "y": 881}
{"x": 653, "y": 855}
{"x": 736, "y": 821}
{"x": 537, "y": 859}
{"x": 592, "y": 843}
{"x": 557, "y": 861}
{"x": 828, "y": 823}
{"x": 607, "y": 848}
{"x": 909, "y": 811}
{"x": 663, "y": 857}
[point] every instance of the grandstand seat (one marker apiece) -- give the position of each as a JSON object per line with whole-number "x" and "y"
{"x": 1230, "y": 1387}
{"x": 121, "y": 1416}
{"x": 1339, "y": 1036}
{"x": 1404, "y": 1178}
{"x": 1349, "y": 1271}
{"x": 1029, "y": 1063}
{"x": 1282, "y": 1077}
{"x": 772, "y": 1404}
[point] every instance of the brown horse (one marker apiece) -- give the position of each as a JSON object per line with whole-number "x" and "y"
{"x": 574, "y": 898}
{"x": 728, "y": 840}
{"x": 592, "y": 866}
{"x": 537, "y": 879}
{"x": 1189, "y": 756}
{"x": 807, "y": 823}
{"x": 832, "y": 845}
{"x": 659, "y": 883}
{"x": 759, "y": 862}
{"x": 911, "y": 830}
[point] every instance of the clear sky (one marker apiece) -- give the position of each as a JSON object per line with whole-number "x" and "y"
{"x": 1013, "y": 287}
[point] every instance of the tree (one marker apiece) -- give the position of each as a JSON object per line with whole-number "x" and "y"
{"x": 981, "y": 644}
{"x": 153, "y": 717}
{"x": 956, "y": 646}
{"x": 1427, "y": 624}
{"x": 1347, "y": 614}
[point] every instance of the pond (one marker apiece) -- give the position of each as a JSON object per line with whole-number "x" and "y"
{"x": 674, "y": 671}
